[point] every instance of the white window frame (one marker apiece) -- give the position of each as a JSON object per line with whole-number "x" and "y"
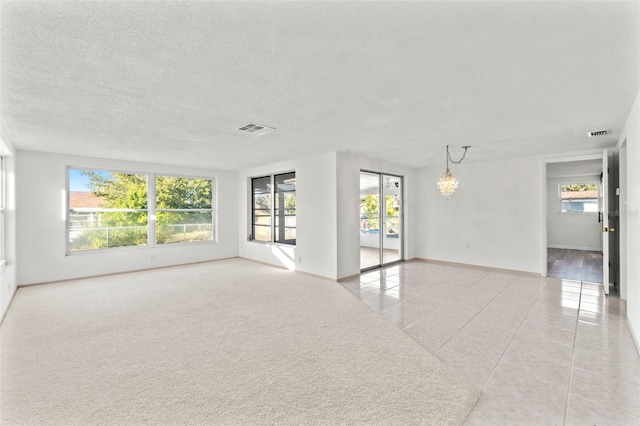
{"x": 560, "y": 199}
{"x": 213, "y": 210}
{"x": 148, "y": 210}
{"x": 151, "y": 209}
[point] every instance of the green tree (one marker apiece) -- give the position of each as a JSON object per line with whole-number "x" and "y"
{"x": 176, "y": 193}
{"x": 370, "y": 209}
{"x": 119, "y": 191}
{"x": 183, "y": 193}
{"x": 393, "y": 210}
{"x": 129, "y": 191}
{"x": 579, "y": 187}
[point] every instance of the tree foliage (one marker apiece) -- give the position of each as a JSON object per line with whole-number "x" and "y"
{"x": 579, "y": 187}
{"x": 183, "y": 193}
{"x": 129, "y": 191}
{"x": 120, "y": 191}
{"x": 370, "y": 210}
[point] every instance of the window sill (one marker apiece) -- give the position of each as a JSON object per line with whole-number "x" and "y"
{"x": 268, "y": 243}
{"x": 140, "y": 247}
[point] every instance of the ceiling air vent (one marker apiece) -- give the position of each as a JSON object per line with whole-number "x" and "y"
{"x": 256, "y": 129}
{"x": 598, "y": 133}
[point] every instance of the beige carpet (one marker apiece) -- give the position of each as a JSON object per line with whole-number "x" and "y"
{"x": 227, "y": 342}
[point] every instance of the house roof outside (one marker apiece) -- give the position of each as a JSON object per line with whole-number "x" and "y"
{"x": 579, "y": 195}
{"x": 81, "y": 199}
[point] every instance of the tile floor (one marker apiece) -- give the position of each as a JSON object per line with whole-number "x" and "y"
{"x": 545, "y": 351}
{"x": 370, "y": 256}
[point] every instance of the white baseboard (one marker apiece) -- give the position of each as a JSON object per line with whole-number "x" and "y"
{"x": 484, "y": 268}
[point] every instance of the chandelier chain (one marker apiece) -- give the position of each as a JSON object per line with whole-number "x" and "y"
{"x": 464, "y": 154}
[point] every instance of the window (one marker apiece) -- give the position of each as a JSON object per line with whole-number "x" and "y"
{"x": 184, "y": 209}
{"x": 578, "y": 197}
{"x": 108, "y": 209}
{"x": 273, "y": 211}
{"x": 261, "y": 230}
{"x": 285, "y": 208}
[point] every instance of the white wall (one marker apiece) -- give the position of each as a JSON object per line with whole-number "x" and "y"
{"x": 8, "y": 279}
{"x": 496, "y": 210}
{"x": 41, "y": 185}
{"x": 578, "y": 231}
{"x": 328, "y": 209}
{"x": 315, "y": 249}
{"x": 348, "y": 194}
{"x": 630, "y": 223}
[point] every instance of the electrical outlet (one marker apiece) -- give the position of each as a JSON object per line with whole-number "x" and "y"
{"x": 152, "y": 258}
{"x": 466, "y": 245}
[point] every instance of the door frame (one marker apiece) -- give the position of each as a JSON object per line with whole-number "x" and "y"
{"x": 623, "y": 170}
{"x": 603, "y": 213}
{"x": 594, "y": 155}
{"x": 381, "y": 216}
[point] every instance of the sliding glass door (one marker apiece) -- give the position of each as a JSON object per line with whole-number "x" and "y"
{"x": 380, "y": 219}
{"x": 369, "y": 220}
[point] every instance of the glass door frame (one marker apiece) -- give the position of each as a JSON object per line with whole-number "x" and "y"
{"x": 382, "y": 220}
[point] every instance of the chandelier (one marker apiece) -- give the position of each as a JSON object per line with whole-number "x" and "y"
{"x": 447, "y": 184}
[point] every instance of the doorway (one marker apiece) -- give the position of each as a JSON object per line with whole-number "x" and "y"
{"x": 381, "y": 224}
{"x": 581, "y": 242}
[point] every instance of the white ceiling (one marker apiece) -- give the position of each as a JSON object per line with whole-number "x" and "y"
{"x": 170, "y": 82}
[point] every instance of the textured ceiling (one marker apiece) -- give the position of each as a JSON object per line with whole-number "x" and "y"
{"x": 170, "y": 82}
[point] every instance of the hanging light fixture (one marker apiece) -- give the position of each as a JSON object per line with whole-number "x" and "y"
{"x": 447, "y": 184}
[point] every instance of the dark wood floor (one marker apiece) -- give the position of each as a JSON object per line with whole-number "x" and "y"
{"x": 575, "y": 265}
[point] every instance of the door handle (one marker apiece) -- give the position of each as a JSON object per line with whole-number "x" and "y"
{"x": 606, "y": 229}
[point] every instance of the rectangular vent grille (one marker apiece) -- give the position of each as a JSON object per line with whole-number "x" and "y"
{"x": 256, "y": 129}
{"x": 598, "y": 133}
